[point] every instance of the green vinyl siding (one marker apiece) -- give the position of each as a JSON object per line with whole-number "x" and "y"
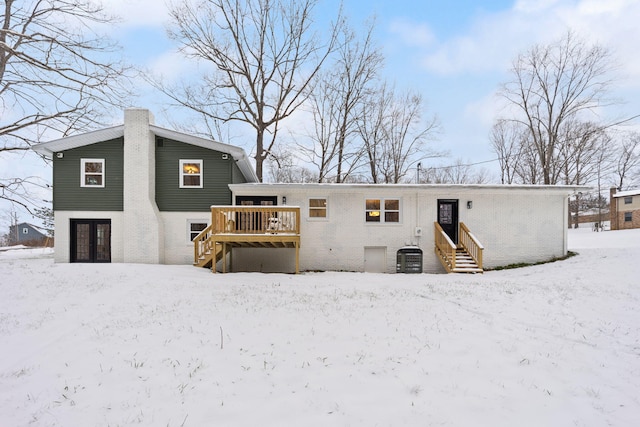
{"x": 218, "y": 173}
{"x": 68, "y": 195}
{"x": 236, "y": 175}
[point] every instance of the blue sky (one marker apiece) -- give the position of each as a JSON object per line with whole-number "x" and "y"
{"x": 456, "y": 53}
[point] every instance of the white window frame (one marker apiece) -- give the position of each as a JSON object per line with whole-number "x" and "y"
{"x": 25, "y": 230}
{"x": 83, "y": 173}
{"x": 190, "y": 222}
{"x": 326, "y": 209}
{"x": 628, "y": 200}
{"x": 383, "y": 210}
{"x": 182, "y": 174}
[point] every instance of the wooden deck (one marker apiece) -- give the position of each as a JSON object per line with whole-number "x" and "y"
{"x": 247, "y": 227}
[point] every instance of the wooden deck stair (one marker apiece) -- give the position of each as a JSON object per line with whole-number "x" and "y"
{"x": 465, "y": 263}
{"x": 466, "y": 257}
{"x": 206, "y": 259}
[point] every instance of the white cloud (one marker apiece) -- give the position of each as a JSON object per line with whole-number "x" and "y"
{"x": 172, "y": 65}
{"x": 139, "y": 13}
{"x": 533, "y": 6}
{"x": 494, "y": 39}
{"x": 411, "y": 33}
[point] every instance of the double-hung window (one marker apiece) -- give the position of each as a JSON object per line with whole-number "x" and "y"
{"x": 190, "y": 173}
{"x": 318, "y": 208}
{"x": 628, "y": 216}
{"x": 92, "y": 172}
{"x": 382, "y": 210}
{"x": 628, "y": 200}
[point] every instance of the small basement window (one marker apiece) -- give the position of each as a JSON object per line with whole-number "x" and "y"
{"x": 194, "y": 228}
{"x": 92, "y": 172}
{"x": 628, "y": 217}
{"x": 190, "y": 173}
{"x": 317, "y": 208}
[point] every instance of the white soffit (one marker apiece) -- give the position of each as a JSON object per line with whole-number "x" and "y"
{"x": 48, "y": 148}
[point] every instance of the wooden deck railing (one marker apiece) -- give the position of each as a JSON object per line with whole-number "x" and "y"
{"x": 255, "y": 220}
{"x": 471, "y": 244}
{"x": 445, "y": 248}
{"x": 247, "y": 226}
{"x": 202, "y": 245}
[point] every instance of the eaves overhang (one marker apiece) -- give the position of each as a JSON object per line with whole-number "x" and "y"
{"x": 49, "y": 148}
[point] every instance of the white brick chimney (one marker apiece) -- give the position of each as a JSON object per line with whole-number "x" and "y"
{"x": 143, "y": 241}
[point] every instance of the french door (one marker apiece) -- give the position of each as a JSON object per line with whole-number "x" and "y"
{"x": 90, "y": 240}
{"x": 253, "y": 221}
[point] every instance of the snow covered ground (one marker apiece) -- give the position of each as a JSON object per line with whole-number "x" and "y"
{"x": 120, "y": 345}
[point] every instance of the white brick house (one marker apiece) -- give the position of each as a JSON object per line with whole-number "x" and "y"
{"x": 140, "y": 193}
{"x": 514, "y": 223}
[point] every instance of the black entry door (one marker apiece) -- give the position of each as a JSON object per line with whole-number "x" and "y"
{"x": 90, "y": 240}
{"x": 253, "y": 221}
{"x": 448, "y": 218}
{"x": 256, "y": 200}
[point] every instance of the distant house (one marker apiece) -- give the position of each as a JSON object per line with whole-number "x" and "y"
{"x": 624, "y": 208}
{"x": 26, "y": 234}
{"x": 140, "y": 193}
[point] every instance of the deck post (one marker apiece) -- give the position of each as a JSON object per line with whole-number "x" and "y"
{"x": 213, "y": 260}
{"x": 297, "y": 257}
{"x": 224, "y": 257}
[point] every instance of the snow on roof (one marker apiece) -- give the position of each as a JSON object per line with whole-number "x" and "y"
{"x": 635, "y": 192}
{"x": 69, "y": 142}
{"x": 565, "y": 189}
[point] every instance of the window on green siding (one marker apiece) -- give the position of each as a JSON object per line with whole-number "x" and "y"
{"x": 382, "y": 210}
{"x": 317, "y": 208}
{"x": 190, "y": 173}
{"x": 92, "y": 172}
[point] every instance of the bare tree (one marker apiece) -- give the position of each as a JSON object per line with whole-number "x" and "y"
{"x": 553, "y": 84}
{"x": 336, "y": 102}
{"x": 460, "y": 172}
{"x": 321, "y": 148}
{"x": 265, "y": 58}
{"x": 528, "y": 168}
{"x": 506, "y": 141}
{"x": 586, "y": 151}
{"x": 407, "y": 133}
{"x": 57, "y": 76}
{"x": 585, "y": 157}
{"x": 628, "y": 162}
{"x": 359, "y": 64}
{"x": 283, "y": 167}
{"x": 372, "y": 123}
{"x": 395, "y": 134}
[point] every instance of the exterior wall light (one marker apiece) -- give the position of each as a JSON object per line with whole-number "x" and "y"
{"x": 469, "y": 204}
